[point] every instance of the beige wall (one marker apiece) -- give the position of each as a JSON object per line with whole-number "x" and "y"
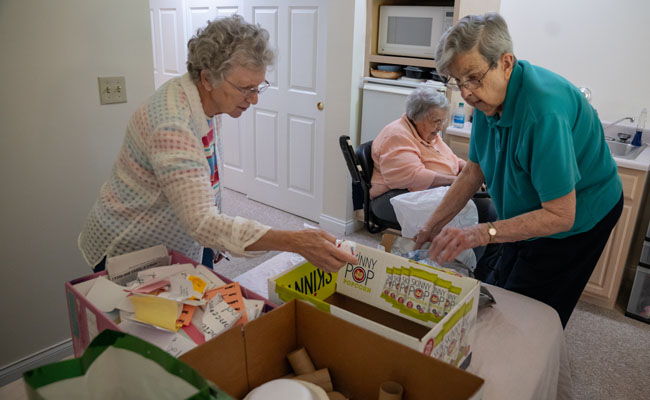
{"x": 345, "y": 50}
{"x": 600, "y": 44}
{"x": 57, "y": 146}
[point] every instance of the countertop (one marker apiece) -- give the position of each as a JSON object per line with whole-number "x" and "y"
{"x": 642, "y": 162}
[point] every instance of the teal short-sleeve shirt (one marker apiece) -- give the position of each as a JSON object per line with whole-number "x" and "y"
{"x": 547, "y": 142}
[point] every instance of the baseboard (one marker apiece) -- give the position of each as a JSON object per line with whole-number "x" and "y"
{"x": 52, "y": 354}
{"x": 336, "y": 226}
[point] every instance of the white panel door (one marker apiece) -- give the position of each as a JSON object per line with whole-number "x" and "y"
{"x": 226, "y": 8}
{"x": 197, "y": 14}
{"x": 274, "y": 152}
{"x": 188, "y": 17}
{"x": 236, "y": 168}
{"x": 173, "y": 23}
{"x": 286, "y": 126}
{"x": 169, "y": 44}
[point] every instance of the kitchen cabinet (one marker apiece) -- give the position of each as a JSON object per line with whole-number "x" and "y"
{"x": 457, "y": 143}
{"x": 458, "y": 139}
{"x": 603, "y": 286}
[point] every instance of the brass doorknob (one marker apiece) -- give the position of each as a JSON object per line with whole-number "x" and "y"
{"x": 320, "y": 106}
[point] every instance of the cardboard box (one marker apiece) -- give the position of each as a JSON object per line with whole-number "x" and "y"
{"x": 87, "y": 321}
{"x": 358, "y": 360}
{"x": 354, "y": 294}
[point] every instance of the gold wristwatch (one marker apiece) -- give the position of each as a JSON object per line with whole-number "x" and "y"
{"x": 492, "y": 231}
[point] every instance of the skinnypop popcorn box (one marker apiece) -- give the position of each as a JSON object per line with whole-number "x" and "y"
{"x": 368, "y": 294}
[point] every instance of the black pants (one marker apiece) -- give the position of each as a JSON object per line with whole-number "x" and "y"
{"x": 553, "y": 271}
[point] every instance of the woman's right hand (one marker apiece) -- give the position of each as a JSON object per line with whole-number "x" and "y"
{"x": 319, "y": 248}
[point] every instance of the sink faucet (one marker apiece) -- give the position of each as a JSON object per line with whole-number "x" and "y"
{"x": 619, "y": 120}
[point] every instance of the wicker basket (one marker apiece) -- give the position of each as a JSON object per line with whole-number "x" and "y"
{"x": 385, "y": 74}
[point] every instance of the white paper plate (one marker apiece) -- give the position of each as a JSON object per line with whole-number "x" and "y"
{"x": 282, "y": 389}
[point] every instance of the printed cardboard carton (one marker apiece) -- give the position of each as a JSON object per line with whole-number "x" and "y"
{"x": 354, "y": 293}
{"x": 358, "y": 360}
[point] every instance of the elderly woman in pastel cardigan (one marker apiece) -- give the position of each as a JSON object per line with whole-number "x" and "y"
{"x": 409, "y": 154}
{"x": 165, "y": 187}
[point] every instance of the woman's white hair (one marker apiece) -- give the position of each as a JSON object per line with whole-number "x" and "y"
{"x": 423, "y": 101}
{"x": 225, "y": 43}
{"x": 489, "y": 32}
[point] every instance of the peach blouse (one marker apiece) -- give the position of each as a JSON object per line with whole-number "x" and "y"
{"x": 404, "y": 161}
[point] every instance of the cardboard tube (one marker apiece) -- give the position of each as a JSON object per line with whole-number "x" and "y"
{"x": 390, "y": 390}
{"x": 336, "y": 396}
{"x": 301, "y": 362}
{"x": 320, "y": 378}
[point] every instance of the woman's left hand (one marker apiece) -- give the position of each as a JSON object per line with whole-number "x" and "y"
{"x": 450, "y": 242}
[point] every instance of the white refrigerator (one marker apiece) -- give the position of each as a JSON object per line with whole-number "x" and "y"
{"x": 384, "y": 101}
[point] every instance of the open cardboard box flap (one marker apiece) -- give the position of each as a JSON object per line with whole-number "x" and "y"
{"x": 358, "y": 360}
{"x": 387, "y": 240}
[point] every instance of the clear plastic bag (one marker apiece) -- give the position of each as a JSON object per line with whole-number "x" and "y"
{"x": 413, "y": 209}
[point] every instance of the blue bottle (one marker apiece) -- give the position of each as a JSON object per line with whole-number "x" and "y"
{"x": 639, "y": 128}
{"x": 459, "y": 116}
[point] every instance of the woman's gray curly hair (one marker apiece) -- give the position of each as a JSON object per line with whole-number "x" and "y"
{"x": 489, "y": 32}
{"x": 422, "y": 101}
{"x": 225, "y": 43}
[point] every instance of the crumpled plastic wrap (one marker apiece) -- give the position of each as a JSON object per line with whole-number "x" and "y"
{"x": 465, "y": 262}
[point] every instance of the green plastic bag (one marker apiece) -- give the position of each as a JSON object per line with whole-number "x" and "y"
{"x": 117, "y": 365}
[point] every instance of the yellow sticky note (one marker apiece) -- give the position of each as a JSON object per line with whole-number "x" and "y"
{"x": 156, "y": 311}
{"x": 197, "y": 283}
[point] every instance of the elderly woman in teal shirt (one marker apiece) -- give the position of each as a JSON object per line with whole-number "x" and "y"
{"x": 539, "y": 146}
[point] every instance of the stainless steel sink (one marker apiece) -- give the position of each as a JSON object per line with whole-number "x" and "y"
{"x": 624, "y": 150}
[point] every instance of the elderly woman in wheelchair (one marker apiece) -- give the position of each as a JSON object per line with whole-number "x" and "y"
{"x": 409, "y": 155}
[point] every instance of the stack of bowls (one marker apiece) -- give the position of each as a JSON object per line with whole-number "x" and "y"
{"x": 417, "y": 72}
{"x": 387, "y": 71}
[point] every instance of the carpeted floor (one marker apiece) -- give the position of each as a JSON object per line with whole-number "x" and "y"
{"x": 609, "y": 352}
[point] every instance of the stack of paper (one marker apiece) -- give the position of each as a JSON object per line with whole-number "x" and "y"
{"x": 175, "y": 307}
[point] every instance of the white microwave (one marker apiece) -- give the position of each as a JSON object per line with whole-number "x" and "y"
{"x": 412, "y": 31}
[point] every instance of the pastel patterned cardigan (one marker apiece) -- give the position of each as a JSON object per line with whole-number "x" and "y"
{"x": 159, "y": 191}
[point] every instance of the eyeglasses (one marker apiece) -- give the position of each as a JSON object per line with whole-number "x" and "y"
{"x": 438, "y": 123}
{"x": 471, "y": 84}
{"x": 248, "y": 92}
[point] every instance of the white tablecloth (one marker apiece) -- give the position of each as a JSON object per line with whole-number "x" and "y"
{"x": 519, "y": 348}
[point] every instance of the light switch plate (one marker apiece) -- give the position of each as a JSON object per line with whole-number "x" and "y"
{"x": 112, "y": 90}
